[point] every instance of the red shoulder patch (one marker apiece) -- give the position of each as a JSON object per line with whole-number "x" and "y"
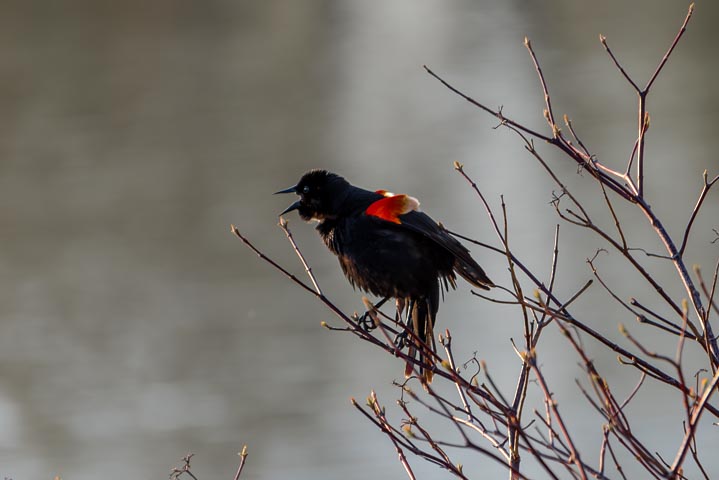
{"x": 391, "y": 207}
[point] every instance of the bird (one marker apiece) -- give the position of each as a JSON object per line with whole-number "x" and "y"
{"x": 388, "y": 247}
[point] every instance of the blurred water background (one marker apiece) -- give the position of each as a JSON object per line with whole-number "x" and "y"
{"x": 135, "y": 328}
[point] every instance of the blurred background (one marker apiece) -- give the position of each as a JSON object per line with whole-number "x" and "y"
{"x": 134, "y": 327}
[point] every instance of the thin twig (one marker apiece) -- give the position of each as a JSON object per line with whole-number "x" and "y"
{"x": 702, "y": 196}
{"x": 710, "y": 295}
{"x": 276, "y": 265}
{"x": 671, "y": 326}
{"x": 243, "y": 458}
{"x": 549, "y": 113}
{"x": 614, "y": 214}
{"x": 446, "y": 342}
{"x": 671, "y": 48}
{"x": 496, "y": 113}
{"x": 698, "y": 409}
{"x": 283, "y": 225}
{"x": 603, "y": 41}
{"x": 603, "y": 447}
{"x": 575, "y": 457}
{"x": 713, "y": 291}
{"x": 678, "y": 361}
{"x": 568, "y": 123}
{"x": 695, "y": 454}
{"x": 634, "y": 391}
{"x": 627, "y": 172}
{"x": 379, "y": 413}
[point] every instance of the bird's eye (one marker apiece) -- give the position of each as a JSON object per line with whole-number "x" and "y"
{"x": 306, "y": 189}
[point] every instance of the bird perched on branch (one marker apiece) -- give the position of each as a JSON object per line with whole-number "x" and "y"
{"x": 388, "y": 247}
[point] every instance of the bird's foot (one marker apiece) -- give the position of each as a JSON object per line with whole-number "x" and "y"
{"x": 369, "y": 320}
{"x": 366, "y": 322}
{"x": 400, "y": 340}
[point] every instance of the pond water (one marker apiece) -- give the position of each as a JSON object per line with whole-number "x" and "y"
{"x": 134, "y": 328}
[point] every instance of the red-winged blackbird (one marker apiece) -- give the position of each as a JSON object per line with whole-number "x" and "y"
{"x": 387, "y": 247}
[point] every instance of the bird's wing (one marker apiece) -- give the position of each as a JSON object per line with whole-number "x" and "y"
{"x": 464, "y": 264}
{"x": 403, "y": 210}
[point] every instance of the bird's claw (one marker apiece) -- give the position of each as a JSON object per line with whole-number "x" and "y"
{"x": 400, "y": 340}
{"x": 366, "y": 322}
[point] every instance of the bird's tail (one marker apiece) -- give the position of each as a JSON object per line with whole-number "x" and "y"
{"x": 422, "y": 313}
{"x": 468, "y": 269}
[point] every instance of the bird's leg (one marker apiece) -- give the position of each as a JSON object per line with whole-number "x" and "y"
{"x": 365, "y": 321}
{"x": 400, "y": 340}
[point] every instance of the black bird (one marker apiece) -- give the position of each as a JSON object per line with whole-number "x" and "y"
{"x": 387, "y": 247}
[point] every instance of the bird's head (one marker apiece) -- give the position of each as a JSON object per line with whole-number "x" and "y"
{"x": 321, "y": 195}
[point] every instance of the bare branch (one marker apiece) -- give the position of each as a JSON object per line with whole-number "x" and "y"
{"x": 283, "y": 225}
{"x": 702, "y": 196}
{"x": 243, "y": 458}
{"x": 496, "y": 113}
{"x": 698, "y": 409}
{"x": 603, "y": 40}
{"x": 548, "y": 113}
{"x": 575, "y": 457}
{"x": 671, "y": 48}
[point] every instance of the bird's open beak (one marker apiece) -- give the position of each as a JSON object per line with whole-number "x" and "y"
{"x": 288, "y": 190}
{"x": 295, "y": 205}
